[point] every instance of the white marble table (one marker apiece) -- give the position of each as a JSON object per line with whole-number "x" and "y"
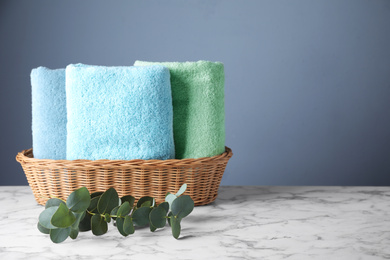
{"x": 243, "y": 223}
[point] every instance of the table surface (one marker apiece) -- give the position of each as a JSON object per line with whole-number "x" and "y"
{"x": 245, "y": 222}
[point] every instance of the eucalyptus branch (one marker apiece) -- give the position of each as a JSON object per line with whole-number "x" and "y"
{"x": 83, "y": 211}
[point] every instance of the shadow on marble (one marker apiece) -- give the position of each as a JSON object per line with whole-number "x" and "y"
{"x": 186, "y": 237}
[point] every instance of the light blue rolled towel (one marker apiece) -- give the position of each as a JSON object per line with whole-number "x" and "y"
{"x": 48, "y": 113}
{"x": 119, "y": 113}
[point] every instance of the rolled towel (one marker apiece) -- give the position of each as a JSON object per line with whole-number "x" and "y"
{"x": 119, "y": 113}
{"x": 48, "y": 113}
{"x": 198, "y": 107}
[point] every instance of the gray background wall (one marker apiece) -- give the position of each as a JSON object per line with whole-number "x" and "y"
{"x": 307, "y": 82}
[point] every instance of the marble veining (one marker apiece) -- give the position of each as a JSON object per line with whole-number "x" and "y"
{"x": 251, "y": 222}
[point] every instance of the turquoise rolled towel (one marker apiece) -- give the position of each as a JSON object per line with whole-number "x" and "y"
{"x": 119, "y": 113}
{"x": 198, "y": 107}
{"x": 48, "y": 113}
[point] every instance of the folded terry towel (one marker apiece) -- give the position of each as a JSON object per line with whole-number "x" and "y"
{"x": 48, "y": 113}
{"x": 198, "y": 107}
{"x": 119, "y": 113}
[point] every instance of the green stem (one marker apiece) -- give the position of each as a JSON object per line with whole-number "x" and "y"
{"x": 103, "y": 215}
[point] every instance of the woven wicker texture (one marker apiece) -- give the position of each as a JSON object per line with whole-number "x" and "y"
{"x": 59, "y": 178}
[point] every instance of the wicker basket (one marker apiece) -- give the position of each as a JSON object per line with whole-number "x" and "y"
{"x": 138, "y": 178}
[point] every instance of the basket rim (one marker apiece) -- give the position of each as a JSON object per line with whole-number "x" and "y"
{"x": 25, "y": 156}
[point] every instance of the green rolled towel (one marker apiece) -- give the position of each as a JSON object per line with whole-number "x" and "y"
{"x": 198, "y": 107}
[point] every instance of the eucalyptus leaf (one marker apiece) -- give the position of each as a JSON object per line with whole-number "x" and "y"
{"x": 74, "y": 233}
{"x": 152, "y": 228}
{"x": 42, "y": 229}
{"x": 165, "y": 206}
{"x": 85, "y": 223}
{"x": 129, "y": 199}
{"x": 45, "y": 217}
{"x": 53, "y": 202}
{"x": 170, "y": 198}
{"x": 93, "y": 205}
{"x": 175, "y": 226}
{"x": 119, "y": 225}
{"x": 79, "y": 217}
{"x": 157, "y": 217}
{"x": 181, "y": 190}
{"x": 124, "y": 209}
{"x": 114, "y": 212}
{"x": 79, "y": 200}
{"x": 107, "y": 218}
{"x": 63, "y": 217}
{"x": 59, "y": 235}
{"x": 170, "y": 215}
{"x": 141, "y": 216}
{"x": 182, "y": 206}
{"x": 145, "y": 201}
{"x": 98, "y": 225}
{"x": 128, "y": 225}
{"x": 96, "y": 194}
{"x": 108, "y": 200}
